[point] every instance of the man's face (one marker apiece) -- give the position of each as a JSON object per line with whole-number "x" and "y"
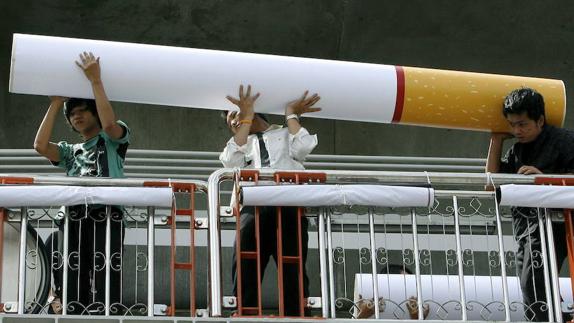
{"x": 523, "y": 128}
{"x": 82, "y": 119}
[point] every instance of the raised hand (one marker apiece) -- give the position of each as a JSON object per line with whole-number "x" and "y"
{"x": 245, "y": 102}
{"x": 58, "y": 100}
{"x": 529, "y": 170}
{"x": 91, "y": 66}
{"x": 303, "y": 105}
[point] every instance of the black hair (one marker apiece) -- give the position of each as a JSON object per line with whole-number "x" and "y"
{"x": 224, "y": 114}
{"x": 76, "y": 102}
{"x": 395, "y": 269}
{"x": 524, "y": 100}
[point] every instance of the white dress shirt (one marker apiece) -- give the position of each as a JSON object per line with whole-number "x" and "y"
{"x": 286, "y": 151}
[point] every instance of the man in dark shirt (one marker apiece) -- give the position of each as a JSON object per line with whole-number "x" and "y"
{"x": 540, "y": 149}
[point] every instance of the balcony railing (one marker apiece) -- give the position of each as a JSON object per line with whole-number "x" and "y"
{"x": 454, "y": 258}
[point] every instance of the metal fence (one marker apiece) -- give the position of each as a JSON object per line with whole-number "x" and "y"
{"x": 455, "y": 260}
{"x": 459, "y": 256}
{"x": 92, "y": 259}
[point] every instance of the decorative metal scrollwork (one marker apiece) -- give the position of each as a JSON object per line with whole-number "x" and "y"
{"x": 32, "y": 258}
{"x": 339, "y": 255}
{"x": 99, "y": 261}
{"x": 468, "y": 257}
{"x": 493, "y": 259}
{"x": 425, "y": 257}
{"x": 510, "y": 258}
{"x": 141, "y": 261}
{"x": 451, "y": 258}
{"x": 408, "y": 257}
{"x": 382, "y": 256}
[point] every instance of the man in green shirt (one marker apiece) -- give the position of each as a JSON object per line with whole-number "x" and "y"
{"x": 101, "y": 154}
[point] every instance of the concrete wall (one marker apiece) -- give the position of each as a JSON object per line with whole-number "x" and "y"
{"x": 530, "y": 38}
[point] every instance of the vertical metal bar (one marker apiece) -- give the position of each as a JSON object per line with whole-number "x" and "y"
{"x": 570, "y": 243}
{"x": 173, "y": 254}
{"x": 214, "y": 243}
{"x": 258, "y": 253}
{"x": 22, "y": 261}
{"x": 545, "y": 241}
{"x": 108, "y": 256}
{"x": 279, "y": 241}
{"x": 502, "y": 263}
{"x": 331, "y": 267}
{"x": 65, "y": 265}
{"x": 417, "y": 264}
{"x": 238, "y": 258}
{"x": 323, "y": 264}
{"x": 300, "y": 263}
{"x": 374, "y": 276}
{"x": 150, "y": 255}
{"x": 121, "y": 275}
{"x": 193, "y": 272}
{"x": 554, "y": 269}
{"x": 3, "y": 216}
{"x": 459, "y": 257}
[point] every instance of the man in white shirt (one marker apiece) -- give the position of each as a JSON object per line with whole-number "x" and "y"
{"x": 257, "y": 144}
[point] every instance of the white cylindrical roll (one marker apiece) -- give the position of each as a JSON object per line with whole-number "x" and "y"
{"x": 201, "y": 78}
{"x": 537, "y": 196}
{"x": 333, "y": 195}
{"x": 30, "y": 196}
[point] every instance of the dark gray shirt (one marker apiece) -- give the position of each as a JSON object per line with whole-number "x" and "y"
{"x": 552, "y": 152}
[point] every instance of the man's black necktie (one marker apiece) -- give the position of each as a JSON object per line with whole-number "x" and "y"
{"x": 264, "y": 154}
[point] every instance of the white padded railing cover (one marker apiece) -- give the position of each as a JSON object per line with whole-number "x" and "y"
{"x": 53, "y": 195}
{"x": 537, "y": 196}
{"x": 332, "y": 195}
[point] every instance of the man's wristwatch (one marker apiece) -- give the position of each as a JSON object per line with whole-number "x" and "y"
{"x": 292, "y": 116}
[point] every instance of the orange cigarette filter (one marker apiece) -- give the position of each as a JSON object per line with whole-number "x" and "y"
{"x": 464, "y": 100}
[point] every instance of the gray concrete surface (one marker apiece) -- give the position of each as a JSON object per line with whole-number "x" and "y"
{"x": 530, "y": 38}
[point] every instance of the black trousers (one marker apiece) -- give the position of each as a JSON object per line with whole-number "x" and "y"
{"x": 268, "y": 248}
{"x": 86, "y": 260}
{"x": 530, "y": 267}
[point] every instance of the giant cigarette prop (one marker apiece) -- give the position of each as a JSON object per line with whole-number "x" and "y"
{"x": 201, "y": 78}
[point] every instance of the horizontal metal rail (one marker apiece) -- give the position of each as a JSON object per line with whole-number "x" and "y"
{"x": 313, "y": 157}
{"x": 170, "y": 163}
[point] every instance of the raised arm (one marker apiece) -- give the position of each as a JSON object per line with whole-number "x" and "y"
{"x": 239, "y": 122}
{"x": 301, "y": 143}
{"x": 42, "y": 142}
{"x": 296, "y": 108}
{"x": 495, "y": 151}
{"x": 242, "y": 121}
{"x": 91, "y": 67}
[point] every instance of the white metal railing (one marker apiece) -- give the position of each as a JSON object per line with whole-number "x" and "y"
{"x": 473, "y": 224}
{"x": 200, "y": 164}
{"x": 120, "y": 275}
{"x": 463, "y": 246}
